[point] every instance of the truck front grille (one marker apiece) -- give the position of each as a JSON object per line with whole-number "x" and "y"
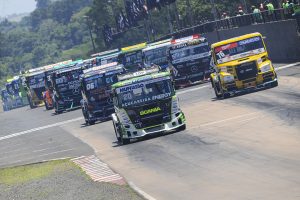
{"x": 246, "y": 71}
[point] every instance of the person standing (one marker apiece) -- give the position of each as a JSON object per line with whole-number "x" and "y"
{"x": 270, "y": 8}
{"x": 256, "y": 14}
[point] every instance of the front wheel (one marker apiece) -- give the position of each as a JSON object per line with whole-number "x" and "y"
{"x": 116, "y": 128}
{"x": 182, "y": 128}
{"x": 57, "y": 111}
{"x": 124, "y": 141}
{"x": 217, "y": 89}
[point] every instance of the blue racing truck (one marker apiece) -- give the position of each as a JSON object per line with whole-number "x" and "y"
{"x": 132, "y": 57}
{"x": 6, "y": 100}
{"x": 156, "y": 54}
{"x": 96, "y": 84}
{"x": 66, "y": 88}
{"x": 189, "y": 59}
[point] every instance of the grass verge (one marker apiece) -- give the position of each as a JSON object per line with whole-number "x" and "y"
{"x": 23, "y": 174}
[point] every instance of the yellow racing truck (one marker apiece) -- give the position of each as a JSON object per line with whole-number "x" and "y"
{"x": 241, "y": 64}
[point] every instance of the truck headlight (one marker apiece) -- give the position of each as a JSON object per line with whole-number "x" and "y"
{"x": 223, "y": 69}
{"x": 228, "y": 79}
{"x": 265, "y": 68}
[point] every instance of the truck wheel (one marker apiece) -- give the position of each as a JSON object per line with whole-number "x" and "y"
{"x": 92, "y": 122}
{"x": 124, "y": 141}
{"x": 85, "y": 116}
{"x": 116, "y": 132}
{"x": 46, "y": 105}
{"x": 275, "y": 84}
{"x": 182, "y": 128}
{"x": 217, "y": 89}
{"x": 57, "y": 111}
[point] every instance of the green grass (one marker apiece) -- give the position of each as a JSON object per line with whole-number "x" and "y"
{"x": 23, "y": 174}
{"x": 77, "y": 51}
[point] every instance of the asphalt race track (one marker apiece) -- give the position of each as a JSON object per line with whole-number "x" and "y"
{"x": 244, "y": 147}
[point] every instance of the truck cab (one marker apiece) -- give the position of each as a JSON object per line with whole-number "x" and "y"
{"x": 96, "y": 91}
{"x": 241, "y": 64}
{"x": 145, "y": 103}
{"x": 156, "y": 54}
{"x": 132, "y": 57}
{"x": 35, "y": 86}
{"x": 49, "y": 71}
{"x": 107, "y": 57}
{"x": 190, "y": 59}
{"x": 6, "y": 100}
{"x": 66, "y": 86}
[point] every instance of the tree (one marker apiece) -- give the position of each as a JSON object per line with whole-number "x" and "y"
{"x": 42, "y": 3}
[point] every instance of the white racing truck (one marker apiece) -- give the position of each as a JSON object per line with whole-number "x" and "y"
{"x": 145, "y": 103}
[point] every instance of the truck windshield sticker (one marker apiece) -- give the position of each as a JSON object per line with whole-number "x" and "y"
{"x": 238, "y": 50}
{"x": 37, "y": 81}
{"x": 189, "y": 53}
{"x": 144, "y": 92}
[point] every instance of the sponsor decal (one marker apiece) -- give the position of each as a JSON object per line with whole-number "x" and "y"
{"x": 150, "y": 111}
{"x": 226, "y": 47}
{"x": 131, "y": 87}
{"x": 146, "y": 99}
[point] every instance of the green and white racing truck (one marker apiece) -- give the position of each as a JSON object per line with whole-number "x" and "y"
{"x": 145, "y": 103}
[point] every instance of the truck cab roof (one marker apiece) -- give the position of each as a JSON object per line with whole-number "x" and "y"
{"x": 140, "y": 76}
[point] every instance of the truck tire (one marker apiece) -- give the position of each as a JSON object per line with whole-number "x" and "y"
{"x": 57, "y": 111}
{"x": 182, "y": 128}
{"x": 124, "y": 141}
{"x": 46, "y": 105}
{"x": 216, "y": 89}
{"x": 116, "y": 132}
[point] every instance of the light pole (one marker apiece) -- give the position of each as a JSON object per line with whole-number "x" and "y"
{"x": 190, "y": 12}
{"x": 90, "y": 31}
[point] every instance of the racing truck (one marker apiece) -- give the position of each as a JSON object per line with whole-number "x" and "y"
{"x": 96, "y": 92}
{"x": 107, "y": 57}
{"x": 49, "y": 71}
{"x": 66, "y": 86}
{"x": 6, "y": 100}
{"x": 19, "y": 87}
{"x": 132, "y": 57}
{"x": 241, "y": 64}
{"x": 189, "y": 59}
{"x": 156, "y": 54}
{"x": 12, "y": 88}
{"x": 145, "y": 103}
{"x": 35, "y": 86}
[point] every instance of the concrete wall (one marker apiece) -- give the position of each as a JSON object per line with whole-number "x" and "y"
{"x": 282, "y": 40}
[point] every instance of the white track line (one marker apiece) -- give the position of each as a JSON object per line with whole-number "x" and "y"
{"x": 40, "y": 128}
{"x": 140, "y": 192}
{"x": 287, "y": 66}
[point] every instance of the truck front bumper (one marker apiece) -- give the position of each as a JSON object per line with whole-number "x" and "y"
{"x": 132, "y": 133}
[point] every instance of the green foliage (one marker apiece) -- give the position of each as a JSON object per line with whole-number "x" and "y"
{"x": 45, "y": 36}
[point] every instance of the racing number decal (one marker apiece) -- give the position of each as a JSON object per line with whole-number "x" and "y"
{"x": 221, "y": 54}
{"x": 90, "y": 86}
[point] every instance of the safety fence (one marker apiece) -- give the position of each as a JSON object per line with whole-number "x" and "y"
{"x": 233, "y": 22}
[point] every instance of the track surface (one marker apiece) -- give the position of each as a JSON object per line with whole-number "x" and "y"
{"x": 246, "y": 147}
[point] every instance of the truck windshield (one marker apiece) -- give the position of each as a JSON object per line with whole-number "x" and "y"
{"x": 67, "y": 81}
{"x": 143, "y": 93}
{"x": 132, "y": 59}
{"x": 239, "y": 49}
{"x": 109, "y": 59}
{"x": 189, "y": 52}
{"x": 95, "y": 84}
{"x": 36, "y": 81}
{"x": 156, "y": 56}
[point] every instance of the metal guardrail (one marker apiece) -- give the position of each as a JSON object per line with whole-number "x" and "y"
{"x": 233, "y": 22}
